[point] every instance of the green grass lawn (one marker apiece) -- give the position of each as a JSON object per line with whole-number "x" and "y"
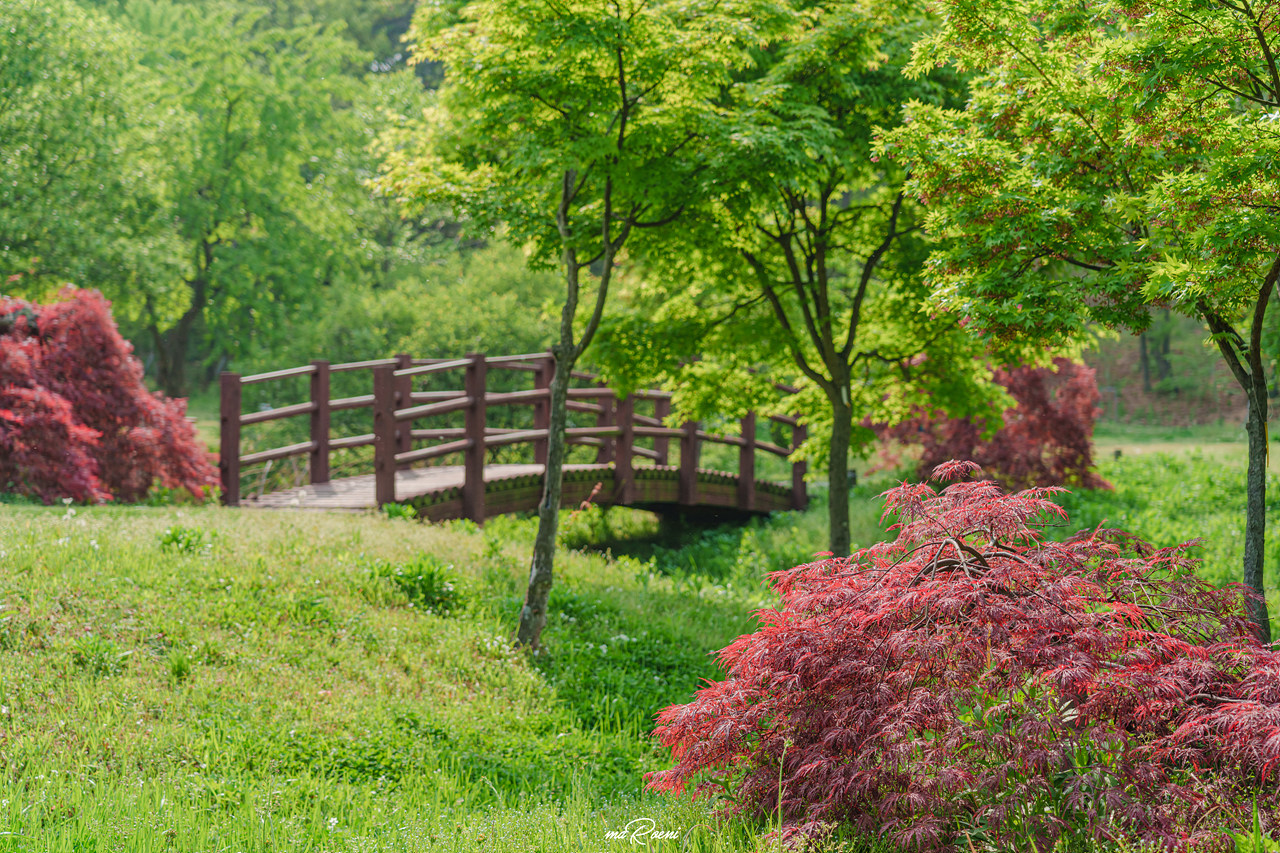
{"x": 1221, "y": 443}
{"x": 207, "y": 679}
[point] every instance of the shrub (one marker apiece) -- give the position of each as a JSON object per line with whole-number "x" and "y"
{"x": 1046, "y": 440}
{"x": 972, "y": 686}
{"x": 76, "y": 419}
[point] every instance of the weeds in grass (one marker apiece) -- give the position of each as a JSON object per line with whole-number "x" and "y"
{"x": 425, "y": 582}
{"x": 179, "y": 665}
{"x": 185, "y": 540}
{"x": 406, "y": 512}
{"x": 98, "y": 656}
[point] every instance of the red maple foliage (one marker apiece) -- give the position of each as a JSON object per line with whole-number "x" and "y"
{"x": 973, "y": 686}
{"x": 1046, "y": 439}
{"x": 76, "y": 419}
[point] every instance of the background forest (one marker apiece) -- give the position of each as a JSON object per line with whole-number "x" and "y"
{"x": 204, "y": 165}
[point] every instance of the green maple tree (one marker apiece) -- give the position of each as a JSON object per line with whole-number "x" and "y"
{"x": 1115, "y": 157}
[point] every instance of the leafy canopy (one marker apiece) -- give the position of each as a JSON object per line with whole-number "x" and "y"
{"x": 1114, "y": 155}
{"x": 803, "y": 259}
{"x": 616, "y": 94}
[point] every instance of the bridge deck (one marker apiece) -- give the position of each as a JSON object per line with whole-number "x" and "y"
{"x": 358, "y": 492}
{"x": 436, "y": 490}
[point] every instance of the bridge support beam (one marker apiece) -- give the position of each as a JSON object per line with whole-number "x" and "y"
{"x": 384, "y": 434}
{"x": 404, "y": 392}
{"x": 229, "y": 446}
{"x": 747, "y": 464}
{"x": 689, "y": 464}
{"x": 473, "y": 484}
{"x": 542, "y": 407}
{"x": 799, "y": 494}
{"x": 624, "y": 471}
{"x": 320, "y": 422}
{"x": 606, "y": 418}
{"x": 662, "y": 445}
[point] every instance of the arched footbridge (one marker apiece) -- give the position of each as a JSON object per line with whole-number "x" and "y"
{"x": 480, "y": 449}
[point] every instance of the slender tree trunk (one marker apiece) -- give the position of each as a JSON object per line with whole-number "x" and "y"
{"x": 838, "y": 475}
{"x": 1145, "y": 361}
{"x": 1255, "y": 531}
{"x": 171, "y": 362}
{"x": 1244, "y": 358}
{"x": 533, "y": 616}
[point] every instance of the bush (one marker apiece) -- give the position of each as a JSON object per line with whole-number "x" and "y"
{"x": 970, "y": 685}
{"x": 76, "y": 419}
{"x": 1046, "y": 440}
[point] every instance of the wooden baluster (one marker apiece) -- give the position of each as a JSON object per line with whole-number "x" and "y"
{"x": 229, "y": 447}
{"x": 605, "y": 418}
{"x": 320, "y": 422}
{"x": 404, "y": 399}
{"x": 689, "y": 464}
{"x": 662, "y": 445}
{"x": 473, "y": 482}
{"x": 624, "y": 471}
{"x": 747, "y": 464}
{"x": 799, "y": 495}
{"x": 542, "y": 408}
{"x": 384, "y": 434}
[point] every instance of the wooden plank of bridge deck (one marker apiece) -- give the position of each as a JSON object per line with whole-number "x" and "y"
{"x": 354, "y": 493}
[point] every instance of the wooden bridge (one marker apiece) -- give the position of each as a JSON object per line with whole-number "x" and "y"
{"x": 632, "y": 444}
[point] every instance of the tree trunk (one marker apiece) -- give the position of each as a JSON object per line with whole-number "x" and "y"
{"x": 533, "y": 616}
{"x": 1255, "y": 530}
{"x": 171, "y": 363}
{"x": 838, "y": 475}
{"x": 1145, "y": 362}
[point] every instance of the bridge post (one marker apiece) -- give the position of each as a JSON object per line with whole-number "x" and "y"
{"x": 689, "y": 464}
{"x": 542, "y": 408}
{"x": 624, "y": 471}
{"x": 404, "y": 392}
{"x": 229, "y": 447}
{"x": 473, "y": 482}
{"x": 799, "y": 495}
{"x": 662, "y": 445}
{"x": 384, "y": 434}
{"x": 320, "y": 422}
{"x": 606, "y": 418}
{"x": 747, "y": 463}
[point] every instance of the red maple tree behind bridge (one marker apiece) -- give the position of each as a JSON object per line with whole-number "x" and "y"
{"x": 76, "y": 419}
{"x": 1046, "y": 439}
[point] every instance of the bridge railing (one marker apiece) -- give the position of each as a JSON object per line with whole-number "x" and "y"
{"x": 396, "y": 407}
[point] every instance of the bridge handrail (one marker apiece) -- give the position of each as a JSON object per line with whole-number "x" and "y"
{"x": 396, "y": 405}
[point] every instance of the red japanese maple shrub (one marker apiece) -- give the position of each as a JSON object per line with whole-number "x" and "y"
{"x": 973, "y": 686}
{"x": 114, "y": 437}
{"x": 1046, "y": 439}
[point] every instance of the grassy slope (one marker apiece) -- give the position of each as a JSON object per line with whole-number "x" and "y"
{"x": 269, "y": 692}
